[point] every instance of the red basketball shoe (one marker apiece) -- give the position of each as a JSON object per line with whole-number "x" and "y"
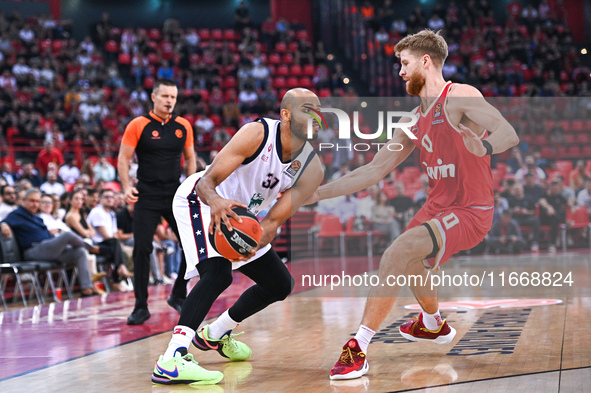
{"x": 414, "y": 330}
{"x": 352, "y": 362}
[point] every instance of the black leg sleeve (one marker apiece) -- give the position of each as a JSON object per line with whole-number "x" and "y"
{"x": 273, "y": 283}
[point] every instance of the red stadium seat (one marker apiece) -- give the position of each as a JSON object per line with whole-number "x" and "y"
{"x": 583, "y": 138}
{"x": 306, "y": 82}
{"x": 281, "y": 93}
{"x": 296, "y": 70}
{"x": 124, "y": 58}
{"x": 217, "y": 120}
{"x": 302, "y": 35}
{"x": 281, "y": 47}
{"x": 155, "y": 34}
{"x": 292, "y": 82}
{"x": 324, "y": 93}
{"x": 153, "y": 58}
{"x": 573, "y": 151}
{"x": 274, "y": 58}
{"x": 204, "y": 34}
{"x": 149, "y": 82}
{"x": 216, "y": 34}
{"x": 279, "y": 82}
{"x": 540, "y": 139}
{"x": 287, "y": 58}
{"x": 293, "y": 46}
{"x": 569, "y": 138}
{"x": 283, "y": 70}
{"x": 230, "y": 35}
{"x": 577, "y": 125}
{"x": 565, "y": 125}
{"x": 112, "y": 46}
{"x": 229, "y": 82}
{"x": 547, "y": 152}
{"x": 309, "y": 69}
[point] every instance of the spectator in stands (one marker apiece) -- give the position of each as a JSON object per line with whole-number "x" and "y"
{"x": 268, "y": 99}
{"x": 37, "y": 243}
{"x": 104, "y": 170}
{"x": 7, "y": 173}
{"x": 505, "y": 236}
{"x": 30, "y": 174}
{"x": 501, "y": 204}
{"x": 531, "y": 189}
{"x": 577, "y": 176}
{"x": 515, "y": 162}
{"x": 203, "y": 122}
{"x": 8, "y": 201}
{"x": 524, "y": 212}
{"x": 48, "y": 155}
{"x": 320, "y": 53}
{"x": 69, "y": 172}
{"x": 165, "y": 71}
{"x": 52, "y": 186}
{"x": 91, "y": 199}
{"x": 436, "y": 23}
{"x": 584, "y": 196}
{"x": 343, "y": 170}
{"x": 103, "y": 221}
{"x": 248, "y": 99}
{"x": 530, "y": 167}
{"x": 304, "y": 53}
{"x": 242, "y": 16}
{"x": 48, "y": 214}
{"x": 553, "y": 212}
{"x": 382, "y": 219}
{"x": 566, "y": 192}
{"x": 420, "y": 196}
{"x": 260, "y": 75}
{"x": 139, "y": 94}
{"x": 403, "y": 206}
{"x": 346, "y": 208}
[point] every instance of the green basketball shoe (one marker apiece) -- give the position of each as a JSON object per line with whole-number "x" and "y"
{"x": 183, "y": 369}
{"x": 226, "y": 346}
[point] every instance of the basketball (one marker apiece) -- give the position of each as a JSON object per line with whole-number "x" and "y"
{"x": 241, "y": 240}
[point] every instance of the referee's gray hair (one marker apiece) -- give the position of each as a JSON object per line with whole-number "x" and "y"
{"x": 32, "y": 191}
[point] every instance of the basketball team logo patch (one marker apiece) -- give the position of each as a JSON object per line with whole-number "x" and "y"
{"x": 294, "y": 168}
{"x": 178, "y": 134}
{"x": 437, "y": 110}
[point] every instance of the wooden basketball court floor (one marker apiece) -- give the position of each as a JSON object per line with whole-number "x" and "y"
{"x": 508, "y": 339}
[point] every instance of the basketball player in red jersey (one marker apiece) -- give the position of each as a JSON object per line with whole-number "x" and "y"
{"x": 453, "y": 138}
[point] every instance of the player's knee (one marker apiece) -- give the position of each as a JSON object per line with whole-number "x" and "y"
{"x": 283, "y": 289}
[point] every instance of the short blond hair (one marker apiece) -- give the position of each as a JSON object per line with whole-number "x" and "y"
{"x": 425, "y": 42}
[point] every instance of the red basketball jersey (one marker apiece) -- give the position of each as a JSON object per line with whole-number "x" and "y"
{"x": 456, "y": 176}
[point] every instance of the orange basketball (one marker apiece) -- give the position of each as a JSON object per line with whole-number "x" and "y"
{"x": 241, "y": 240}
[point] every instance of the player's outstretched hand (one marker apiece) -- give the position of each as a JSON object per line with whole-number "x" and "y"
{"x": 131, "y": 195}
{"x": 221, "y": 210}
{"x": 472, "y": 142}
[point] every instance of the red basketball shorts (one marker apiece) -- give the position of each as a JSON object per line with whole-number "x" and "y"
{"x": 453, "y": 229}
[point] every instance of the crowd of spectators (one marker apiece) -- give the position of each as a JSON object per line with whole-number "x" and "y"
{"x": 527, "y": 52}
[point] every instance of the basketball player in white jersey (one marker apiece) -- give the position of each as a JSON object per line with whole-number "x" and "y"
{"x": 265, "y": 158}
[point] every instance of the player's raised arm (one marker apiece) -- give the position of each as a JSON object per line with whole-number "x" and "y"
{"x": 367, "y": 175}
{"x": 243, "y": 145}
{"x": 291, "y": 200}
{"x": 467, "y": 100}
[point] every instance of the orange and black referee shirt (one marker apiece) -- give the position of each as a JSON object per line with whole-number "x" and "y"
{"x": 159, "y": 145}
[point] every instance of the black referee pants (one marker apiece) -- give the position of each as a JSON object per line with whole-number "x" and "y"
{"x": 146, "y": 217}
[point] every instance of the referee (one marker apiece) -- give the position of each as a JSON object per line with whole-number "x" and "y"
{"x": 158, "y": 139}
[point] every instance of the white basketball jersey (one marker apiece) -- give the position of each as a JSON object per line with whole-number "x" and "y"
{"x": 261, "y": 177}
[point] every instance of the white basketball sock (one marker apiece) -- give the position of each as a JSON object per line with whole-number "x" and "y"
{"x": 364, "y": 336}
{"x": 432, "y": 321}
{"x": 221, "y": 326}
{"x": 181, "y": 338}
